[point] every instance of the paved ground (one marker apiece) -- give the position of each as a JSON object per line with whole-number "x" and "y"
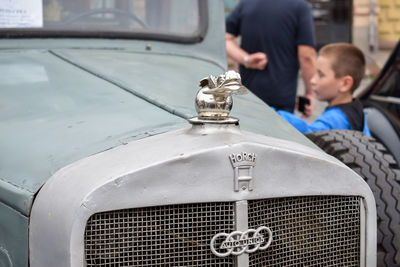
{"x": 360, "y": 39}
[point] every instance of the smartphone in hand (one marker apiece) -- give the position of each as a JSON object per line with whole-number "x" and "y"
{"x": 303, "y": 101}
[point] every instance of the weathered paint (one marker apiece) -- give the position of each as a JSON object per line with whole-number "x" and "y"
{"x": 61, "y": 115}
{"x": 63, "y": 100}
{"x": 14, "y": 237}
{"x": 172, "y": 90}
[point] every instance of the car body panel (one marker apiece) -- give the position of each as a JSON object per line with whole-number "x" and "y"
{"x": 382, "y": 104}
{"x": 384, "y": 92}
{"x": 383, "y": 130}
{"x": 59, "y": 120}
{"x": 80, "y": 102}
{"x": 198, "y": 162}
{"x": 14, "y": 237}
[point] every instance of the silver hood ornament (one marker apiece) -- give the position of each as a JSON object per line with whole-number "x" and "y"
{"x": 214, "y": 99}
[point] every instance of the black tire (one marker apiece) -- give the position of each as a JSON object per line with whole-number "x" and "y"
{"x": 370, "y": 160}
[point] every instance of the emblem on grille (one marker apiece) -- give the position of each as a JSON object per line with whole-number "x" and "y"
{"x": 243, "y": 164}
{"x": 237, "y": 243}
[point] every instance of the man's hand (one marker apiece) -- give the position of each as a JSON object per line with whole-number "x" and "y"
{"x": 257, "y": 61}
{"x": 253, "y": 61}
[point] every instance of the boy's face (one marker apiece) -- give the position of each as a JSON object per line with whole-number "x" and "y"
{"x": 324, "y": 83}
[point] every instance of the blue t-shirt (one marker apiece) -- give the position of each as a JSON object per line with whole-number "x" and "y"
{"x": 275, "y": 27}
{"x": 332, "y": 118}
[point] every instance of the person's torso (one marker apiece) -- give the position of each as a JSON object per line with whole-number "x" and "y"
{"x": 271, "y": 27}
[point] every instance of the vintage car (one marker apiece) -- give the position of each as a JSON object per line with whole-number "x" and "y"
{"x": 118, "y": 149}
{"x": 382, "y": 104}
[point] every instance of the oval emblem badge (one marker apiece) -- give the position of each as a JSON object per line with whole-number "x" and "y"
{"x": 237, "y": 242}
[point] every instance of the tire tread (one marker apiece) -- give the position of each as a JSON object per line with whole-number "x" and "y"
{"x": 370, "y": 159}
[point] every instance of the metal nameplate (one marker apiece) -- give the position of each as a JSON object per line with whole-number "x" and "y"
{"x": 243, "y": 164}
{"x": 237, "y": 242}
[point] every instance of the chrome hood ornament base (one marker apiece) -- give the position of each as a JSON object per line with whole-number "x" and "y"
{"x": 214, "y": 99}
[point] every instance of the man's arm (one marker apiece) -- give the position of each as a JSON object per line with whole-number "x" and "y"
{"x": 307, "y": 56}
{"x": 254, "y": 61}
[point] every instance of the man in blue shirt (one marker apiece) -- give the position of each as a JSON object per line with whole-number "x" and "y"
{"x": 340, "y": 69}
{"x": 277, "y": 37}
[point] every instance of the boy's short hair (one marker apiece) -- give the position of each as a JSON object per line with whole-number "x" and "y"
{"x": 347, "y": 59}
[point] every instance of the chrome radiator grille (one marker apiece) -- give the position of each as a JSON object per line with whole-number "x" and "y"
{"x": 308, "y": 231}
{"x": 174, "y": 235}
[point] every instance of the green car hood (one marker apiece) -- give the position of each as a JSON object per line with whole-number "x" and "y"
{"x": 58, "y": 106}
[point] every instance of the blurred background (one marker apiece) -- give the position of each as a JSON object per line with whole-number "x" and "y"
{"x": 372, "y": 25}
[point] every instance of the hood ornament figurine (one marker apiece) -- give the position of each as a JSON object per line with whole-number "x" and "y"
{"x": 214, "y": 99}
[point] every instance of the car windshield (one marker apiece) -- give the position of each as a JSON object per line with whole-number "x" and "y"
{"x": 156, "y": 19}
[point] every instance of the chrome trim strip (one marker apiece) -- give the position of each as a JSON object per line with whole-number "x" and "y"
{"x": 363, "y": 233}
{"x": 242, "y": 224}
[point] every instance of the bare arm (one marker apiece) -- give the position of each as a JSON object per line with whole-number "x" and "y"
{"x": 254, "y": 61}
{"x": 307, "y": 56}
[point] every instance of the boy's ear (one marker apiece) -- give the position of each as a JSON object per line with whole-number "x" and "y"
{"x": 347, "y": 83}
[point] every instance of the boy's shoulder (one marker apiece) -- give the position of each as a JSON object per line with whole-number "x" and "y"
{"x": 353, "y": 112}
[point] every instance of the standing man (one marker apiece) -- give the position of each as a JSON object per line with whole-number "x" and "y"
{"x": 277, "y": 38}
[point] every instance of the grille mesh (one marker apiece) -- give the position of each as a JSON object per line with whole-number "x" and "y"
{"x": 174, "y": 235}
{"x": 308, "y": 231}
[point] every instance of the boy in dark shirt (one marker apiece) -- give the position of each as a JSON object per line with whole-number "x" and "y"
{"x": 340, "y": 69}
